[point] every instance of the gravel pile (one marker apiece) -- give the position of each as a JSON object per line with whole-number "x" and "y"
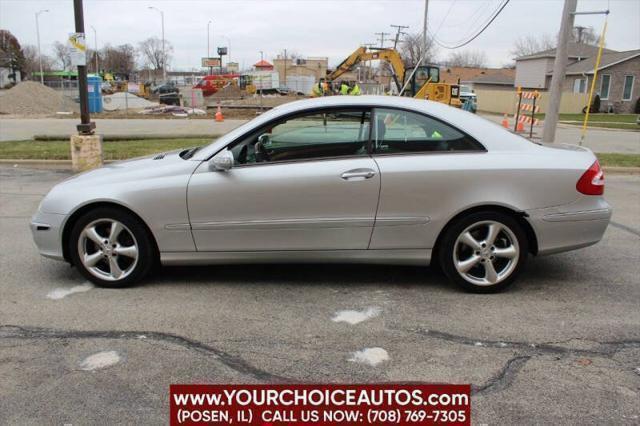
{"x": 122, "y": 100}
{"x": 31, "y": 98}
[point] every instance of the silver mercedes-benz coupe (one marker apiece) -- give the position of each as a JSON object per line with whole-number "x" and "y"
{"x": 375, "y": 179}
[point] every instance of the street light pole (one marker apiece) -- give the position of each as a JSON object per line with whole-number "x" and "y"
{"x": 95, "y": 38}
{"x": 164, "y": 55}
{"x": 208, "y": 45}
{"x": 228, "y": 47}
{"x": 38, "y": 35}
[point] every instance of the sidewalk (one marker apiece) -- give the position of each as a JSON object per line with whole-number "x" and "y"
{"x": 12, "y": 129}
{"x": 598, "y": 140}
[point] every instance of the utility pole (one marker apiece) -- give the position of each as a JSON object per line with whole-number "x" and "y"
{"x": 86, "y": 126}
{"x": 285, "y": 67}
{"x": 382, "y": 34}
{"x": 424, "y": 30}
{"x": 95, "y": 39}
{"x": 38, "y": 35}
{"x": 399, "y": 31}
{"x": 559, "y": 71}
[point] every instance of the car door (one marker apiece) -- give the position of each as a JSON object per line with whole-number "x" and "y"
{"x": 303, "y": 182}
{"x": 428, "y": 165}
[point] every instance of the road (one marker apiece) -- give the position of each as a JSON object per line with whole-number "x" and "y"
{"x": 561, "y": 347}
{"x": 12, "y": 129}
{"x": 21, "y": 129}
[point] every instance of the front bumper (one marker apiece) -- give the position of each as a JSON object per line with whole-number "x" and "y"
{"x": 46, "y": 229}
{"x": 565, "y": 228}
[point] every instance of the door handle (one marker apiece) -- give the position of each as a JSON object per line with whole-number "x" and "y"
{"x": 358, "y": 174}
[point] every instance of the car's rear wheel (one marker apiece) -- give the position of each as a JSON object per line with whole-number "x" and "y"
{"x": 484, "y": 252}
{"x": 111, "y": 247}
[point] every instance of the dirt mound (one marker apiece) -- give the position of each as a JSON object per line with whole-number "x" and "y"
{"x": 31, "y": 98}
{"x": 229, "y": 92}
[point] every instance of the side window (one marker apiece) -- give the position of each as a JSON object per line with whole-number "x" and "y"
{"x": 335, "y": 133}
{"x": 397, "y": 131}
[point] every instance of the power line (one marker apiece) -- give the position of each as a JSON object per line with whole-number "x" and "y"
{"x": 472, "y": 26}
{"x": 445, "y": 17}
{"x": 479, "y": 32}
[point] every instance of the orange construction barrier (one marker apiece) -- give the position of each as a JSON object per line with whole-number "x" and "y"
{"x": 505, "y": 121}
{"x": 219, "y": 116}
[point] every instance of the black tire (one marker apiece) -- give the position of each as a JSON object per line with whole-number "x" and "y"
{"x": 447, "y": 250}
{"x": 146, "y": 253}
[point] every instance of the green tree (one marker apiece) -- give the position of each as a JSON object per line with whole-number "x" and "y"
{"x": 11, "y": 55}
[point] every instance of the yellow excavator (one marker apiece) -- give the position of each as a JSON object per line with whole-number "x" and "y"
{"x": 424, "y": 82}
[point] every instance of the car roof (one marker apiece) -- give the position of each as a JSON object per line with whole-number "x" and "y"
{"x": 489, "y": 134}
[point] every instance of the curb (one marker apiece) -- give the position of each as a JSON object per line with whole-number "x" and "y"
{"x": 66, "y": 165}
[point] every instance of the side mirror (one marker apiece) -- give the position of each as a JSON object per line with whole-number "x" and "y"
{"x": 222, "y": 161}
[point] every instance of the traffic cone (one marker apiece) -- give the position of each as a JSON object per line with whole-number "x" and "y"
{"x": 520, "y": 127}
{"x": 219, "y": 116}
{"x": 505, "y": 121}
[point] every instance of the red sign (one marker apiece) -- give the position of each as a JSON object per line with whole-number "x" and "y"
{"x": 320, "y": 404}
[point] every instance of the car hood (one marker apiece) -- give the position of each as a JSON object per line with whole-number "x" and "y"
{"x": 132, "y": 169}
{"x": 108, "y": 183}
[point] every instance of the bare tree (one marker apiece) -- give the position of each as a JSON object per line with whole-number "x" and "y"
{"x": 151, "y": 53}
{"x": 119, "y": 59}
{"x": 412, "y": 49}
{"x": 585, "y": 35}
{"x": 467, "y": 58}
{"x": 529, "y": 45}
{"x": 31, "y": 62}
{"x": 62, "y": 54}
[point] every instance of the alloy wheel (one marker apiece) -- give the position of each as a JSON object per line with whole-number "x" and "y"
{"x": 108, "y": 249}
{"x": 486, "y": 253}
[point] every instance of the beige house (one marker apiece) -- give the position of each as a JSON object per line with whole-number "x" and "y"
{"x": 309, "y": 67}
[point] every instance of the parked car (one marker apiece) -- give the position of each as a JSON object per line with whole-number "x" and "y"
{"x": 369, "y": 179}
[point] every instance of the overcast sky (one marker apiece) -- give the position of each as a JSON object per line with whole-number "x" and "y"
{"x": 310, "y": 28}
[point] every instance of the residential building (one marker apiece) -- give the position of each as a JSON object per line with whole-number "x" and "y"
{"x": 617, "y": 81}
{"x": 479, "y": 78}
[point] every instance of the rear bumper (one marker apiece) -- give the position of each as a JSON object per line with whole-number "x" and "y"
{"x": 46, "y": 229}
{"x": 570, "y": 227}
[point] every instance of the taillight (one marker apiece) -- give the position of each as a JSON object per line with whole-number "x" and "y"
{"x": 592, "y": 181}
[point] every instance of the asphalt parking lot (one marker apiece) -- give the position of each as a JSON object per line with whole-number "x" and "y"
{"x": 562, "y": 346}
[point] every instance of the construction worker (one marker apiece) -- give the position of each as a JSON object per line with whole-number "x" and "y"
{"x": 344, "y": 88}
{"x": 326, "y": 88}
{"x": 318, "y": 89}
{"x": 355, "y": 89}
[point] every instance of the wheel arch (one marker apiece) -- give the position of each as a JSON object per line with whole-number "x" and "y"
{"x": 519, "y": 216}
{"x": 78, "y": 213}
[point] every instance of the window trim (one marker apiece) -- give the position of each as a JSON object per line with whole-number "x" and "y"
{"x": 480, "y": 147}
{"x": 633, "y": 81}
{"x": 296, "y": 114}
{"x": 602, "y": 98}
{"x": 580, "y": 81}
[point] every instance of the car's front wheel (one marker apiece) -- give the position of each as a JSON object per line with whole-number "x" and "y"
{"x": 484, "y": 252}
{"x": 111, "y": 247}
